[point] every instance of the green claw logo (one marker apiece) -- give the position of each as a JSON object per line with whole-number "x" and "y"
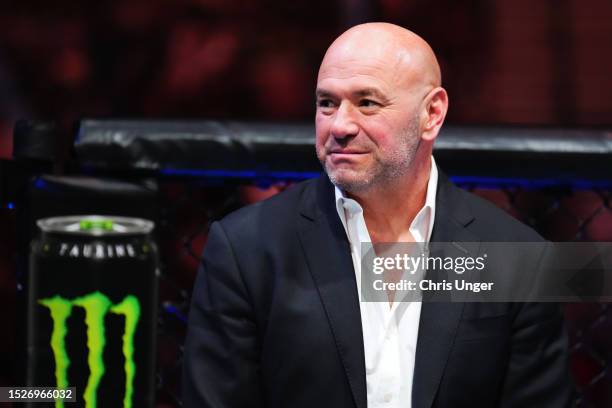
{"x": 96, "y": 306}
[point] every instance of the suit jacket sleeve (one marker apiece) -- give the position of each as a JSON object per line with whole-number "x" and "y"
{"x": 538, "y": 372}
{"x": 221, "y": 357}
{"x": 538, "y": 369}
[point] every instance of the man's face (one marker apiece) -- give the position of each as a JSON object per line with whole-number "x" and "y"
{"x": 367, "y": 124}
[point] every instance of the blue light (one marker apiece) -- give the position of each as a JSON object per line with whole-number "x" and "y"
{"x": 174, "y": 311}
{"x": 40, "y": 183}
{"x": 10, "y": 206}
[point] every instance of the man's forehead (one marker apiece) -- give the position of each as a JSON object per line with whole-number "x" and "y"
{"x": 388, "y": 62}
{"x": 374, "y": 55}
{"x": 369, "y": 72}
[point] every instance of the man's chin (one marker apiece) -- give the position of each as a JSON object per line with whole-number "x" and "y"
{"x": 352, "y": 183}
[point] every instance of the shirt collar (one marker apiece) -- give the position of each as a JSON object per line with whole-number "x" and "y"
{"x": 422, "y": 222}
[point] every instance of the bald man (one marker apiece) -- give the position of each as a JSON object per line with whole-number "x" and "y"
{"x": 276, "y": 317}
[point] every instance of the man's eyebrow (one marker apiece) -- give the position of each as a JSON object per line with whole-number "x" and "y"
{"x": 365, "y": 92}
{"x": 370, "y": 92}
{"x": 322, "y": 93}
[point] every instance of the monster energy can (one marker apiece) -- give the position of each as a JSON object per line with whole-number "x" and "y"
{"x": 92, "y": 299}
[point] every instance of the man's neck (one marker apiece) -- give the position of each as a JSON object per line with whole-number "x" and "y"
{"x": 389, "y": 209}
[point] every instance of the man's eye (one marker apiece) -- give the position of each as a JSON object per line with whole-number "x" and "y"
{"x": 368, "y": 103}
{"x": 325, "y": 103}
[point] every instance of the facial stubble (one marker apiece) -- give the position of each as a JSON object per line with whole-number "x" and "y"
{"x": 384, "y": 171}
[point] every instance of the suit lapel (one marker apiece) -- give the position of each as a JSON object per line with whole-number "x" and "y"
{"x": 439, "y": 320}
{"x": 329, "y": 260}
{"x": 328, "y": 255}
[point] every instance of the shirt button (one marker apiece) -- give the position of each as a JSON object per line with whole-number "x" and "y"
{"x": 388, "y": 397}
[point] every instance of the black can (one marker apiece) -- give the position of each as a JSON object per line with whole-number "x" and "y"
{"x": 92, "y": 309}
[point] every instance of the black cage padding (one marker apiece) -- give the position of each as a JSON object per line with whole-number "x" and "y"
{"x": 235, "y": 146}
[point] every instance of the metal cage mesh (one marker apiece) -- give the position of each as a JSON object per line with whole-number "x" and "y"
{"x": 559, "y": 214}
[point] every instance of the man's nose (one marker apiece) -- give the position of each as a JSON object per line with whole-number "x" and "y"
{"x": 344, "y": 122}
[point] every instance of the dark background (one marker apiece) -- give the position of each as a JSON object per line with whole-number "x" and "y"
{"x": 503, "y": 61}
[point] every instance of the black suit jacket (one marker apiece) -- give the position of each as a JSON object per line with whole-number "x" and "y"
{"x": 275, "y": 318}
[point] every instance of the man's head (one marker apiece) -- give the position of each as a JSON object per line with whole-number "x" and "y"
{"x": 379, "y": 106}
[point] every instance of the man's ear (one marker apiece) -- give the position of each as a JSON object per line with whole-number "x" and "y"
{"x": 436, "y": 106}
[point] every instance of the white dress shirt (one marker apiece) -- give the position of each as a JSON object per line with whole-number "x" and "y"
{"x": 389, "y": 333}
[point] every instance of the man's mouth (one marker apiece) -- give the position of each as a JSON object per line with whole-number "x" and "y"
{"x": 346, "y": 156}
{"x": 348, "y": 152}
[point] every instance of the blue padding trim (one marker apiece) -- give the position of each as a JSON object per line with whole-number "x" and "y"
{"x": 475, "y": 181}
{"x": 242, "y": 174}
{"x": 530, "y": 184}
